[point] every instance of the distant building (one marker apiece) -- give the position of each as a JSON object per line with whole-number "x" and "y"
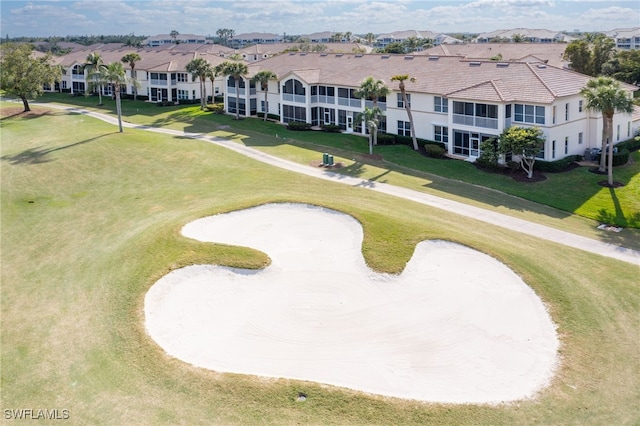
{"x": 242, "y": 40}
{"x": 161, "y": 39}
{"x": 526, "y": 35}
{"x": 401, "y": 36}
{"x": 626, "y": 38}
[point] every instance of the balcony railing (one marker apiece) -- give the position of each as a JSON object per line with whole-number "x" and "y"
{"x": 381, "y": 105}
{"x": 470, "y": 120}
{"x": 350, "y": 102}
{"x": 323, "y": 99}
{"x": 294, "y": 98}
{"x": 156, "y": 82}
{"x": 77, "y": 77}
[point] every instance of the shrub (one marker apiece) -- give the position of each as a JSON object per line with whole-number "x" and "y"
{"x": 296, "y": 125}
{"x": 620, "y": 158}
{"x": 272, "y": 117}
{"x": 632, "y": 144}
{"x": 556, "y": 166}
{"x": 434, "y": 151}
{"x": 216, "y": 108}
{"x": 489, "y": 154}
{"x": 331, "y": 128}
{"x": 386, "y": 139}
{"x": 513, "y": 166}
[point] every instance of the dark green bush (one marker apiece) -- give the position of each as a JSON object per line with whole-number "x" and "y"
{"x": 620, "y": 158}
{"x": 632, "y": 144}
{"x": 434, "y": 150}
{"x": 556, "y": 166}
{"x": 272, "y": 117}
{"x": 331, "y": 128}
{"x": 295, "y": 125}
{"x": 386, "y": 139}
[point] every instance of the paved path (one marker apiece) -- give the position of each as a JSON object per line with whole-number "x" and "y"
{"x": 488, "y": 216}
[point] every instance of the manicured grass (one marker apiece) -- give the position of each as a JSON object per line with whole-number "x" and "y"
{"x": 91, "y": 219}
{"x": 576, "y": 192}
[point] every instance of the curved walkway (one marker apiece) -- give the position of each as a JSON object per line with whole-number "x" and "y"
{"x": 488, "y": 216}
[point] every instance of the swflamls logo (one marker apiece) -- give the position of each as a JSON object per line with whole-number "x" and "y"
{"x": 36, "y": 414}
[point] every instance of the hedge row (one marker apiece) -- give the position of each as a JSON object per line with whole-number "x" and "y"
{"x": 556, "y": 166}
{"x": 631, "y": 144}
{"x": 296, "y": 125}
{"x": 620, "y": 158}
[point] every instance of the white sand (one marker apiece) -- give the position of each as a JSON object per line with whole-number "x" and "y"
{"x": 456, "y": 326}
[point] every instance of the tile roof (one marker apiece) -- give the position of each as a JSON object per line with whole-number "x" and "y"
{"x": 445, "y": 76}
{"x": 550, "y": 53}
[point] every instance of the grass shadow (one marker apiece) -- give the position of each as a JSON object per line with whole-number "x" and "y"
{"x": 39, "y": 155}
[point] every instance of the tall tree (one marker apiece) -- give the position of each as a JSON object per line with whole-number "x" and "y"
{"x": 94, "y": 66}
{"x": 624, "y": 66}
{"x": 237, "y": 70}
{"x": 588, "y": 56}
{"x": 174, "y": 35}
{"x": 23, "y": 75}
{"x": 263, "y": 77}
{"x": 199, "y": 68}
{"x": 525, "y": 142}
{"x": 370, "y": 118}
{"x": 604, "y": 95}
{"x": 212, "y": 74}
{"x": 373, "y": 89}
{"x": 401, "y": 78}
{"x": 131, "y": 59}
{"x": 370, "y": 38}
{"x": 115, "y": 75}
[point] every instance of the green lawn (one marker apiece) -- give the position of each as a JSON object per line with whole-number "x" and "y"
{"x": 91, "y": 218}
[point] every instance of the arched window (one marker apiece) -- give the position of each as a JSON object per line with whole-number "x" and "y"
{"x": 293, "y": 87}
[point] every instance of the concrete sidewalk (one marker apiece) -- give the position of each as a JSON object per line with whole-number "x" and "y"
{"x": 488, "y": 216}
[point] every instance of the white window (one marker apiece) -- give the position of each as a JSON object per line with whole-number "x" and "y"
{"x": 183, "y": 94}
{"x": 566, "y": 145}
{"x": 553, "y": 149}
{"x": 566, "y": 112}
{"x": 441, "y": 104}
{"x": 554, "y": 115}
{"x": 441, "y": 134}
{"x": 580, "y": 138}
{"x": 404, "y": 128}
{"x": 529, "y": 114}
{"x": 618, "y": 132}
{"x": 401, "y": 102}
{"x": 580, "y": 106}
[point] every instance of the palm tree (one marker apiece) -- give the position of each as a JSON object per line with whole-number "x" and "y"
{"x": 263, "y": 77}
{"x": 401, "y": 79}
{"x": 131, "y": 59}
{"x": 94, "y": 67}
{"x": 370, "y": 38}
{"x": 373, "y": 89}
{"x": 604, "y": 95}
{"x": 237, "y": 70}
{"x": 115, "y": 75}
{"x": 199, "y": 68}
{"x": 370, "y": 118}
{"x": 212, "y": 73}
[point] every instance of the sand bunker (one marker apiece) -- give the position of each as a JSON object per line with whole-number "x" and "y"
{"x": 456, "y": 326}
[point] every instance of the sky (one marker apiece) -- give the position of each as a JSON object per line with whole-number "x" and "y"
{"x": 297, "y": 17}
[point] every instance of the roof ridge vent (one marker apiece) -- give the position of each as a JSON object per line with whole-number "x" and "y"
{"x": 502, "y": 64}
{"x": 358, "y": 55}
{"x": 474, "y": 64}
{"x": 292, "y": 53}
{"x": 542, "y": 66}
{"x": 385, "y": 56}
{"x": 433, "y": 57}
{"x": 338, "y": 55}
{"x": 409, "y": 57}
{"x": 323, "y": 54}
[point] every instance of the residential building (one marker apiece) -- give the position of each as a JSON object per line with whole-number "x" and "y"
{"x": 455, "y": 100}
{"x": 242, "y": 40}
{"x": 524, "y": 35}
{"x": 161, "y": 39}
{"x": 401, "y": 36}
{"x": 626, "y": 38}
